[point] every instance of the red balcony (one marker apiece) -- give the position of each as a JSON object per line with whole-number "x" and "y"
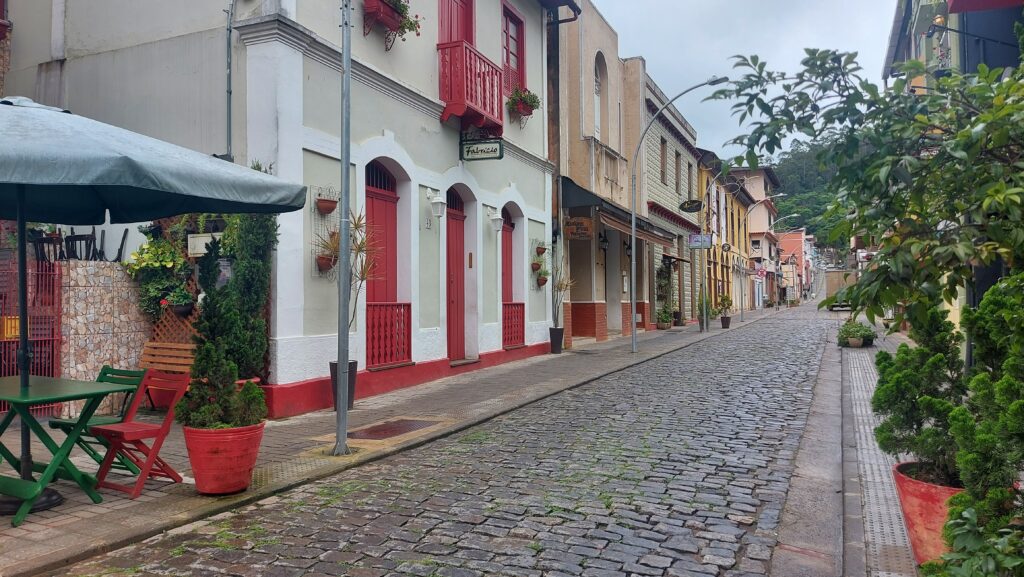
{"x": 388, "y": 334}
{"x": 471, "y": 86}
{"x": 513, "y": 325}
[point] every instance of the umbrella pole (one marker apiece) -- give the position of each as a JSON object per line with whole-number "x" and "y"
{"x": 49, "y": 498}
{"x": 24, "y": 353}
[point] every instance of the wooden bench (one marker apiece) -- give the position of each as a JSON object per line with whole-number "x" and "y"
{"x": 168, "y": 358}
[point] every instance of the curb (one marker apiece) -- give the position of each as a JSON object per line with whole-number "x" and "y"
{"x": 227, "y": 504}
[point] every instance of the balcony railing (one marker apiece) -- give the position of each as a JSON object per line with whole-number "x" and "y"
{"x": 388, "y": 334}
{"x": 513, "y": 325}
{"x": 471, "y": 86}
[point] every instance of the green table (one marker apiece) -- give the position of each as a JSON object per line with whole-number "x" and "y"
{"x": 44, "y": 390}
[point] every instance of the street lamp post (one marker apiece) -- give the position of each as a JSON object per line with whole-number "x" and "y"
{"x": 632, "y": 221}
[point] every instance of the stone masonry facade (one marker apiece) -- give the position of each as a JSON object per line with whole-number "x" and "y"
{"x": 102, "y": 323}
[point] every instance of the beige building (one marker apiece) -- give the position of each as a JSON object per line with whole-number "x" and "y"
{"x": 449, "y": 290}
{"x": 604, "y": 105}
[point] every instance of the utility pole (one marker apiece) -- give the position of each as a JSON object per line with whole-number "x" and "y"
{"x": 345, "y": 248}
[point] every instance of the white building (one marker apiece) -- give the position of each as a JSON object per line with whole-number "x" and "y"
{"x": 446, "y": 291}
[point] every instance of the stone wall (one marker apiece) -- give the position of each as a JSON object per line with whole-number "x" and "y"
{"x": 102, "y": 323}
{"x": 5, "y": 54}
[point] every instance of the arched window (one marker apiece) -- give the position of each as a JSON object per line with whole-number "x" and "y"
{"x": 601, "y": 90}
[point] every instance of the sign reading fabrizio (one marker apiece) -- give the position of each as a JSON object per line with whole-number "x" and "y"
{"x": 482, "y": 150}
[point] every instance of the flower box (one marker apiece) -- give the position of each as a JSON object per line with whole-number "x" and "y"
{"x": 382, "y": 12}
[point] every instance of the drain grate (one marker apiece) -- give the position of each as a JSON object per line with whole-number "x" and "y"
{"x": 390, "y": 429}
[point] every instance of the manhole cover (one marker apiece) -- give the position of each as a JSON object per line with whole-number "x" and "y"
{"x": 390, "y": 429}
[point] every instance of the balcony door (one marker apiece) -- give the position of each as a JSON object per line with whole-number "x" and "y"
{"x": 455, "y": 21}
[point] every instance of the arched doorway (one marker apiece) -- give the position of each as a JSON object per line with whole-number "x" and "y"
{"x": 388, "y": 322}
{"x": 456, "y": 273}
{"x": 513, "y": 314}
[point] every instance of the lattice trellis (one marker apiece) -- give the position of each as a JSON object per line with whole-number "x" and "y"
{"x": 172, "y": 328}
{"x": 321, "y": 226}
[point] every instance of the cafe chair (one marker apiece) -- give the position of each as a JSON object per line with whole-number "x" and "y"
{"x": 128, "y": 438}
{"x": 95, "y": 446}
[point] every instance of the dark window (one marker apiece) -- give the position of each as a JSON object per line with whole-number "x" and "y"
{"x": 679, "y": 174}
{"x": 664, "y": 161}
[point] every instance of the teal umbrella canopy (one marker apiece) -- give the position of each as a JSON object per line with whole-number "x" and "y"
{"x": 75, "y": 169}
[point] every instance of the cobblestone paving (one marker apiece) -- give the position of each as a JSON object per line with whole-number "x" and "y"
{"x": 678, "y": 466}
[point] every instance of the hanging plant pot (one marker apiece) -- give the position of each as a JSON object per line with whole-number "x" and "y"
{"x": 535, "y": 266}
{"x": 541, "y": 250}
{"x": 183, "y": 310}
{"x": 522, "y": 109}
{"x": 326, "y": 206}
{"x": 324, "y": 262}
{"x": 542, "y": 280}
{"x": 383, "y": 12}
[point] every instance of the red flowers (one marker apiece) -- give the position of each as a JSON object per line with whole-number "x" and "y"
{"x": 164, "y": 302}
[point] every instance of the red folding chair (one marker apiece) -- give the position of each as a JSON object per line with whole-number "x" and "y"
{"x": 128, "y": 438}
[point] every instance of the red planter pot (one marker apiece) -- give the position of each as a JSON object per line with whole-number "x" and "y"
{"x": 535, "y": 266}
{"x": 542, "y": 280}
{"x": 522, "y": 109}
{"x": 324, "y": 263}
{"x": 326, "y": 205}
{"x": 924, "y": 513}
{"x": 223, "y": 459}
{"x": 381, "y": 11}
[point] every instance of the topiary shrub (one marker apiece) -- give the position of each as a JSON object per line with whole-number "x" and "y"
{"x": 989, "y": 428}
{"x": 917, "y": 390}
{"x": 253, "y": 242}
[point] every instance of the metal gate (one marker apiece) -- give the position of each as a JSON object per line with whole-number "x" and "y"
{"x": 44, "y": 314}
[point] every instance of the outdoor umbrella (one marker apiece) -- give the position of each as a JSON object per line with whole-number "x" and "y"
{"x": 60, "y": 168}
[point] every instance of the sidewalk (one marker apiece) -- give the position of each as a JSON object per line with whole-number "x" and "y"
{"x": 294, "y": 451}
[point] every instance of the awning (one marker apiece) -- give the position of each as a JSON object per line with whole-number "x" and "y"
{"x": 575, "y": 196}
{"x": 976, "y": 5}
{"x": 642, "y": 235}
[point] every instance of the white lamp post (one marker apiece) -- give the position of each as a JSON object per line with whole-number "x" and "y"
{"x": 438, "y": 204}
{"x": 632, "y": 206}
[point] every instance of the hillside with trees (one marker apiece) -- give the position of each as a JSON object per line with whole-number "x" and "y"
{"x": 805, "y": 183}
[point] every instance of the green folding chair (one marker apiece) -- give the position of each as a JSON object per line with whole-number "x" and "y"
{"x": 96, "y": 447}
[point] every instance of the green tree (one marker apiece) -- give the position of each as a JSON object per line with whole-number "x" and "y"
{"x": 935, "y": 176}
{"x": 805, "y": 182}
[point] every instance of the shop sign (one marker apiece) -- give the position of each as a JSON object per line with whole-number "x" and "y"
{"x": 699, "y": 241}
{"x": 493, "y": 149}
{"x": 579, "y": 228}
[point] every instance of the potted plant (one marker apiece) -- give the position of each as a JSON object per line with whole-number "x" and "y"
{"x": 536, "y": 264}
{"x": 180, "y": 301}
{"x": 917, "y": 391}
{"x": 854, "y": 334}
{"x": 562, "y": 286}
{"x": 542, "y": 277}
{"x": 725, "y": 309}
{"x": 222, "y": 421}
{"x": 327, "y": 248}
{"x": 664, "y": 318}
{"x": 158, "y": 266}
{"x": 523, "y": 102}
{"x": 540, "y": 249}
{"x": 326, "y": 206}
{"x": 393, "y": 15}
{"x": 361, "y": 264}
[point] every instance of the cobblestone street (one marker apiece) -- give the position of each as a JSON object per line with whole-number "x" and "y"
{"x": 679, "y": 466}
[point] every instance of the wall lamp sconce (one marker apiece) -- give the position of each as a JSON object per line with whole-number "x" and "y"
{"x": 496, "y": 220}
{"x": 602, "y": 241}
{"x": 629, "y": 248}
{"x": 438, "y": 204}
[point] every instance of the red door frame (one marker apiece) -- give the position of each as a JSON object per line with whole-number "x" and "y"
{"x": 506, "y": 263}
{"x": 456, "y": 21}
{"x": 382, "y": 235}
{"x": 456, "y": 265}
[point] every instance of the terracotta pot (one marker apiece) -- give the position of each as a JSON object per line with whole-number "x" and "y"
{"x": 326, "y": 205}
{"x": 542, "y": 280}
{"x": 223, "y": 459}
{"x": 324, "y": 262}
{"x": 924, "y": 513}
{"x": 854, "y": 342}
{"x": 664, "y": 326}
{"x": 541, "y": 250}
{"x": 535, "y": 266}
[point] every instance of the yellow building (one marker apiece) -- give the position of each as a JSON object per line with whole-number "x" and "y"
{"x": 727, "y": 262}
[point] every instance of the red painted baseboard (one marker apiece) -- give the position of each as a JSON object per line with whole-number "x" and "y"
{"x": 290, "y": 399}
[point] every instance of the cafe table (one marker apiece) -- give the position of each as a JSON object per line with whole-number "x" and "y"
{"x": 46, "y": 390}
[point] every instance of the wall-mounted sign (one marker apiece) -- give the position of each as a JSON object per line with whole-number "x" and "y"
{"x": 482, "y": 149}
{"x": 699, "y": 241}
{"x": 579, "y": 228}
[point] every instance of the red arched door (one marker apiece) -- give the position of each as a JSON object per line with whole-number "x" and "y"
{"x": 388, "y": 322}
{"x": 456, "y": 265}
{"x": 513, "y": 314}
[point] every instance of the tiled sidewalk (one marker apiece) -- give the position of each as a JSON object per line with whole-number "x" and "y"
{"x": 294, "y": 450}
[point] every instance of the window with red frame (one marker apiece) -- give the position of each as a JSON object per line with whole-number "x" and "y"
{"x": 513, "y": 50}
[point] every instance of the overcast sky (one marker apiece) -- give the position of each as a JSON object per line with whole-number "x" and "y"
{"x": 687, "y": 41}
